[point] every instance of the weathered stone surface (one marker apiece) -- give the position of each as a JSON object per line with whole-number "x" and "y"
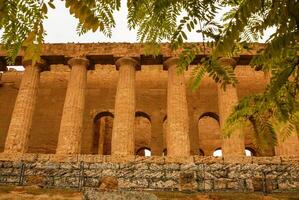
{"x": 177, "y": 112}
{"x": 227, "y": 100}
{"x": 152, "y": 176}
{"x": 108, "y": 183}
{"x": 267, "y": 160}
{"x": 21, "y": 121}
{"x": 207, "y": 159}
{"x": 71, "y": 127}
{"x": 123, "y": 125}
{"x": 188, "y": 181}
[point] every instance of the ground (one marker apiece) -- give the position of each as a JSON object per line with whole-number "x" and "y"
{"x": 33, "y": 193}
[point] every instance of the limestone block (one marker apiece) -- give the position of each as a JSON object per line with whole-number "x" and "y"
{"x": 187, "y": 181}
{"x": 108, "y": 183}
{"x": 133, "y": 183}
{"x": 90, "y": 158}
{"x": 266, "y": 160}
{"x": 164, "y": 184}
{"x": 220, "y": 184}
{"x": 179, "y": 159}
{"x": 64, "y": 158}
{"x": 155, "y": 167}
{"x": 207, "y": 159}
{"x": 119, "y": 158}
{"x": 150, "y": 159}
{"x": 148, "y": 174}
{"x": 238, "y": 159}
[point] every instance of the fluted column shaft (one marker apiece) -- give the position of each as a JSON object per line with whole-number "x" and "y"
{"x": 123, "y": 125}
{"x": 178, "y": 143}
{"x": 71, "y": 126}
{"x": 233, "y": 145}
{"x": 21, "y": 120}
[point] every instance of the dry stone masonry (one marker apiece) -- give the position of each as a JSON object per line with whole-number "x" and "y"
{"x": 80, "y": 118}
{"x": 155, "y": 173}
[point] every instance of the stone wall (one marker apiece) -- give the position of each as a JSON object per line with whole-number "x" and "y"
{"x": 195, "y": 173}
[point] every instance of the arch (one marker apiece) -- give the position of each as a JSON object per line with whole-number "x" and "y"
{"x": 210, "y": 114}
{"x": 217, "y": 152}
{"x": 142, "y": 114}
{"x": 164, "y": 153}
{"x": 209, "y": 137}
{"x": 165, "y": 118}
{"x": 102, "y": 128}
{"x": 143, "y": 151}
{"x": 201, "y": 152}
{"x": 102, "y": 114}
{"x": 250, "y": 151}
{"x": 164, "y": 130}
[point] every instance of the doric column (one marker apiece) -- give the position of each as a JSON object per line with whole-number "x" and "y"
{"x": 178, "y": 143}
{"x": 21, "y": 120}
{"x": 71, "y": 126}
{"x": 123, "y": 125}
{"x": 235, "y": 144}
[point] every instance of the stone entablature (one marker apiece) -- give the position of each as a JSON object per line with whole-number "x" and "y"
{"x": 108, "y": 53}
{"x": 196, "y": 173}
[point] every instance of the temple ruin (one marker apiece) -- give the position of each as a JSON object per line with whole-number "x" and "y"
{"x": 111, "y": 103}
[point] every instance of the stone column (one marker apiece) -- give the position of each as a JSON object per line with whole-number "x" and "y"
{"x": 235, "y": 144}
{"x": 21, "y": 120}
{"x": 123, "y": 125}
{"x": 178, "y": 143}
{"x": 71, "y": 126}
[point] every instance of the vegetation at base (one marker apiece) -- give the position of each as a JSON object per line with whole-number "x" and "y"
{"x": 272, "y": 114}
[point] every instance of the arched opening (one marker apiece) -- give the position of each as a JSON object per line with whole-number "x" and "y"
{"x": 144, "y": 151}
{"x": 201, "y": 152}
{"x": 164, "y": 133}
{"x": 250, "y": 151}
{"x": 103, "y": 123}
{"x": 209, "y": 132}
{"x": 164, "y": 152}
{"x": 142, "y": 131}
{"x": 217, "y": 152}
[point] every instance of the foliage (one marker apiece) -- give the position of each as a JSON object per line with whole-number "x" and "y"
{"x": 22, "y": 22}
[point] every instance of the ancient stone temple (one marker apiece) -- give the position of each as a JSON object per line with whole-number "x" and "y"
{"x": 90, "y": 111}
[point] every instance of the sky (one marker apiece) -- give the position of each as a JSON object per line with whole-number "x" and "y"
{"x": 61, "y": 27}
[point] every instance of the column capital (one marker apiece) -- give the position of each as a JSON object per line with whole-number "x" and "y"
{"x": 41, "y": 63}
{"x": 228, "y": 61}
{"x": 78, "y": 61}
{"x": 127, "y": 61}
{"x": 173, "y": 61}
